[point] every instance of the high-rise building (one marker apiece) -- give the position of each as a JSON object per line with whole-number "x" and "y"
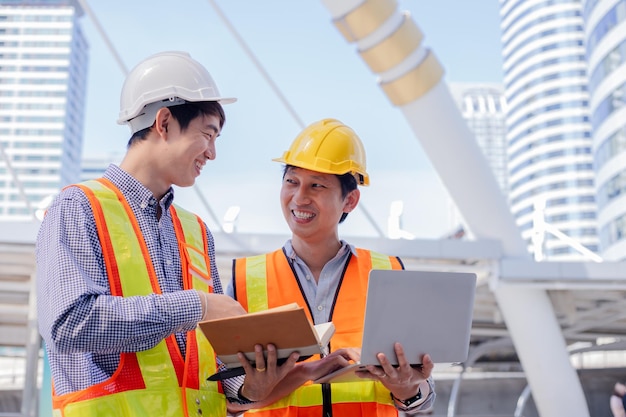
{"x": 551, "y": 174}
{"x": 605, "y": 35}
{"x": 482, "y": 105}
{"x": 43, "y": 74}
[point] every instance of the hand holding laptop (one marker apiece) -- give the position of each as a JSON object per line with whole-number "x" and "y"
{"x": 439, "y": 324}
{"x": 402, "y": 380}
{"x": 336, "y": 360}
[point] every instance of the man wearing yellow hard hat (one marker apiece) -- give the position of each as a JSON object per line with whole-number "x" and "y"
{"x": 323, "y": 167}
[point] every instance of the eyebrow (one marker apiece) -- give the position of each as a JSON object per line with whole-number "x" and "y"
{"x": 212, "y": 127}
{"x": 320, "y": 178}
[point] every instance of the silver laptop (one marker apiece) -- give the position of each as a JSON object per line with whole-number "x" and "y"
{"x": 427, "y": 311}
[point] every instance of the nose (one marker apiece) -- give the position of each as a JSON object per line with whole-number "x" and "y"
{"x": 210, "y": 151}
{"x": 301, "y": 196}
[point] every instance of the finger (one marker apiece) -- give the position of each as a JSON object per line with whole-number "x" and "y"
{"x": 288, "y": 365}
{"x": 427, "y": 365}
{"x": 402, "y": 360}
{"x": 291, "y": 360}
{"x": 377, "y": 371}
{"x": 353, "y": 354}
{"x": 245, "y": 363}
{"x": 386, "y": 365}
{"x": 271, "y": 359}
{"x": 259, "y": 359}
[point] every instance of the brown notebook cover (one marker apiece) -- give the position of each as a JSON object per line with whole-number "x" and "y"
{"x": 287, "y": 327}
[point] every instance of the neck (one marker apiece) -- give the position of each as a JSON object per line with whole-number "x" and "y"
{"x": 139, "y": 163}
{"x": 316, "y": 254}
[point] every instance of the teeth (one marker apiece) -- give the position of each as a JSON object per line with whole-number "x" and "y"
{"x": 198, "y": 165}
{"x": 302, "y": 214}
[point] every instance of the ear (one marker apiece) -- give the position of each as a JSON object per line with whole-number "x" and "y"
{"x": 351, "y": 200}
{"x": 163, "y": 119}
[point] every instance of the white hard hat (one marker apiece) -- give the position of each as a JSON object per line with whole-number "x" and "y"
{"x": 162, "y": 80}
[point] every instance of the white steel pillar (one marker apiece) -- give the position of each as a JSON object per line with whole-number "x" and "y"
{"x": 390, "y": 43}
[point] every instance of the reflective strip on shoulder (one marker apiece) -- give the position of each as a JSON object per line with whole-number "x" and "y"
{"x": 125, "y": 241}
{"x": 193, "y": 237}
{"x": 380, "y": 261}
{"x": 256, "y": 283}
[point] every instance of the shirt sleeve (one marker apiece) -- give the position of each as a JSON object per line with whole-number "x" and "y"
{"x": 77, "y": 312}
{"x": 230, "y": 290}
{"x": 426, "y": 405}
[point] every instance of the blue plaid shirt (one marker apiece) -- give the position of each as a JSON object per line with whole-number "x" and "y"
{"x": 84, "y": 327}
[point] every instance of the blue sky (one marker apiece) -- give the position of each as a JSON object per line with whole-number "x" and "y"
{"x": 319, "y": 74}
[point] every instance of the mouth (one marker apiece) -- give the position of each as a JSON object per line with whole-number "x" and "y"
{"x": 199, "y": 166}
{"x": 302, "y": 215}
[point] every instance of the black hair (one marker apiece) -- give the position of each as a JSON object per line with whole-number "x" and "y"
{"x": 347, "y": 181}
{"x": 184, "y": 114}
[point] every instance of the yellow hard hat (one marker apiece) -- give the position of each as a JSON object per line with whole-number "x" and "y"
{"x": 330, "y": 147}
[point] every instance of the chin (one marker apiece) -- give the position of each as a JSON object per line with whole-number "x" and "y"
{"x": 186, "y": 183}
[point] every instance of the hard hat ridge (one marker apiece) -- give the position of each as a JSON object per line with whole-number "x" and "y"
{"x": 163, "y": 80}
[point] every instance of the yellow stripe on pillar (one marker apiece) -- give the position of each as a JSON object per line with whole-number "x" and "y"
{"x": 364, "y": 19}
{"x": 415, "y": 83}
{"x": 394, "y": 49}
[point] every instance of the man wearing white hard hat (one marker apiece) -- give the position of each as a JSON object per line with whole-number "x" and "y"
{"x": 124, "y": 275}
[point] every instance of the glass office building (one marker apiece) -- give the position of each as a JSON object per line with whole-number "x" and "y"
{"x": 43, "y": 75}
{"x": 550, "y": 161}
{"x": 605, "y": 35}
{"x": 483, "y": 107}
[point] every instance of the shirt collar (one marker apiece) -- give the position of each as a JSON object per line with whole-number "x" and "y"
{"x": 134, "y": 190}
{"x": 291, "y": 253}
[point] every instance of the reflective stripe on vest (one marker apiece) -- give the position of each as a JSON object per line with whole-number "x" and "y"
{"x": 267, "y": 281}
{"x": 157, "y": 381}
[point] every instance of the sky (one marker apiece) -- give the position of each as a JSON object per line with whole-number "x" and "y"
{"x": 319, "y": 75}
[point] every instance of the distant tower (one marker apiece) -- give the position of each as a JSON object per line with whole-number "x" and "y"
{"x": 43, "y": 74}
{"x": 482, "y": 105}
{"x": 605, "y": 35}
{"x": 548, "y": 127}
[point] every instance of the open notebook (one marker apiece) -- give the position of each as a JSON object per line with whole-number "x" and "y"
{"x": 427, "y": 311}
{"x": 287, "y": 327}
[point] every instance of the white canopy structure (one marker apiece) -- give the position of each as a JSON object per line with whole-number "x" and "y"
{"x": 539, "y": 311}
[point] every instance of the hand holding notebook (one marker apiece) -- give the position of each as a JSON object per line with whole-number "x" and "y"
{"x": 286, "y": 327}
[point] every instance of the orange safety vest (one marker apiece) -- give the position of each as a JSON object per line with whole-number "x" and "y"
{"x": 157, "y": 381}
{"x": 262, "y": 282}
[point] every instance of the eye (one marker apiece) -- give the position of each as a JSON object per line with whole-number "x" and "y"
{"x": 210, "y": 135}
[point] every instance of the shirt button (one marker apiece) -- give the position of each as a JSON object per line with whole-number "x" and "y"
{"x": 143, "y": 205}
{"x": 308, "y": 277}
{"x": 169, "y": 262}
{"x": 320, "y": 308}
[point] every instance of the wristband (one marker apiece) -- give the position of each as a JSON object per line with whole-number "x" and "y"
{"x": 242, "y": 398}
{"x": 409, "y": 401}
